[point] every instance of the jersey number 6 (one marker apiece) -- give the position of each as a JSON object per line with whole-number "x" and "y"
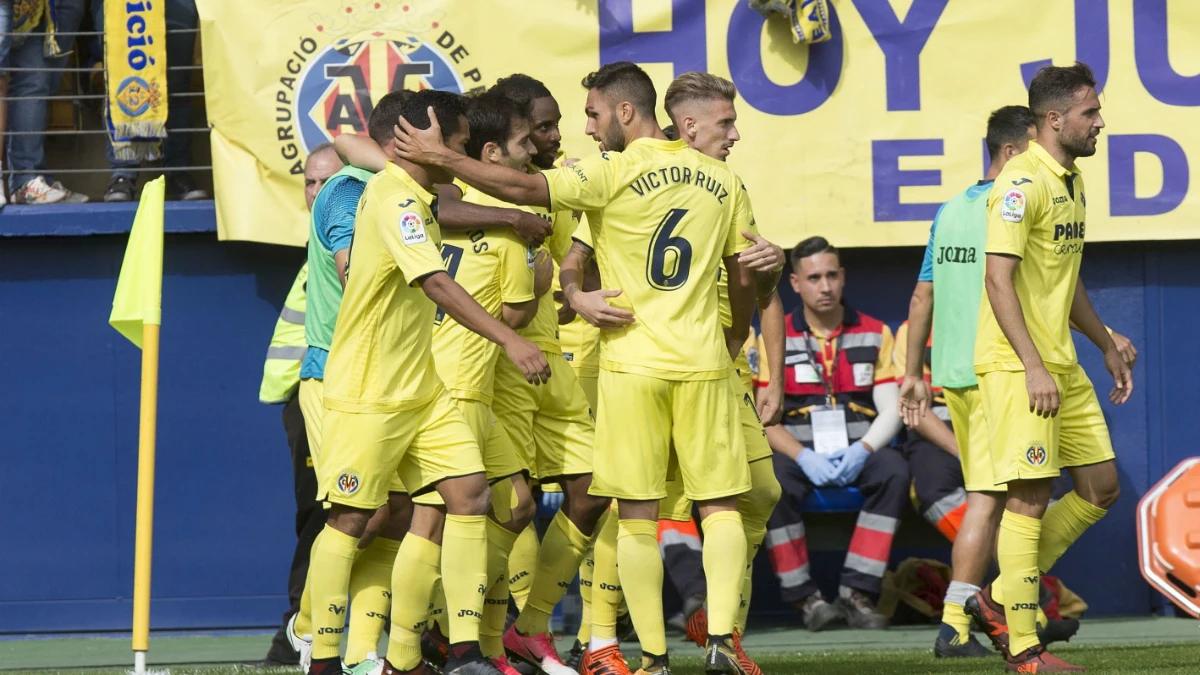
{"x": 669, "y": 260}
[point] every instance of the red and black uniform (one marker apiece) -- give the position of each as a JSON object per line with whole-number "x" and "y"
{"x": 848, "y": 363}
{"x": 938, "y": 489}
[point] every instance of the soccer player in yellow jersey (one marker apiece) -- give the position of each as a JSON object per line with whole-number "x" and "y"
{"x": 663, "y": 218}
{"x": 495, "y": 267}
{"x": 702, "y": 107}
{"x": 388, "y": 414}
{"x": 555, "y": 427}
{"x": 1041, "y": 410}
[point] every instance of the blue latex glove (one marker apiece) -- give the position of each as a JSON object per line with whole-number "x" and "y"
{"x": 849, "y": 463}
{"x": 552, "y": 500}
{"x": 817, "y": 467}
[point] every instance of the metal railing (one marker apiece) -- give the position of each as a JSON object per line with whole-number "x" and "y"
{"x": 89, "y": 123}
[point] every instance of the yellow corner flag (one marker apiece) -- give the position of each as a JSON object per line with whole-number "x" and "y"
{"x": 137, "y": 314}
{"x": 138, "y": 300}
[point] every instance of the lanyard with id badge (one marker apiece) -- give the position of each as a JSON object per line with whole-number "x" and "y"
{"x": 828, "y": 421}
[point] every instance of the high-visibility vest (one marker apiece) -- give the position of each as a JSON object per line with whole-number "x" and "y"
{"x": 281, "y": 372}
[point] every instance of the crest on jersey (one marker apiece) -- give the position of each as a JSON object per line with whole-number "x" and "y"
{"x": 348, "y": 483}
{"x": 412, "y": 229}
{"x": 1013, "y": 208}
{"x": 356, "y": 52}
{"x": 1036, "y": 454}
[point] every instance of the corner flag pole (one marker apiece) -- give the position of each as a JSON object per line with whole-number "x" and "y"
{"x": 137, "y": 315}
{"x": 144, "y": 537}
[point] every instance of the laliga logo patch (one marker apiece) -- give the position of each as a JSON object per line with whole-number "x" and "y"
{"x": 1013, "y": 208}
{"x": 1036, "y": 455}
{"x": 412, "y": 229}
{"x": 135, "y": 96}
{"x": 348, "y": 483}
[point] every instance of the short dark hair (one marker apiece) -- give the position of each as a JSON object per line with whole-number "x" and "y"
{"x": 625, "y": 81}
{"x": 384, "y": 116}
{"x": 521, "y": 89}
{"x": 1055, "y": 88}
{"x": 1009, "y": 124}
{"x": 491, "y": 117}
{"x": 447, "y": 105}
{"x": 810, "y": 247}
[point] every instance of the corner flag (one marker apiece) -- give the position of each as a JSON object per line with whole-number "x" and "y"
{"x": 137, "y": 314}
{"x": 138, "y": 300}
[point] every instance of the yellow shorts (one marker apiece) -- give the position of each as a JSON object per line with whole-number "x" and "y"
{"x": 678, "y": 507}
{"x": 1024, "y": 446}
{"x": 971, "y": 434}
{"x": 499, "y": 456}
{"x": 550, "y": 425}
{"x": 364, "y": 453}
{"x": 588, "y": 383}
{"x": 646, "y": 424}
{"x": 312, "y": 406}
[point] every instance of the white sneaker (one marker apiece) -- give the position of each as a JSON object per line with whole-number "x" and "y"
{"x": 372, "y": 665}
{"x": 302, "y": 644}
{"x": 71, "y": 197}
{"x": 37, "y": 191}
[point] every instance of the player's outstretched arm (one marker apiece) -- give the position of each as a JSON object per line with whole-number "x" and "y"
{"x": 455, "y": 214}
{"x": 1083, "y": 316}
{"x": 456, "y": 302}
{"x": 742, "y": 301}
{"x": 1002, "y": 294}
{"x": 360, "y": 151}
{"x": 771, "y": 321}
{"x": 425, "y": 146}
{"x": 914, "y": 393}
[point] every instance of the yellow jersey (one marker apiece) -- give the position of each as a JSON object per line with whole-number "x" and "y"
{"x": 661, "y": 216}
{"x": 381, "y": 358}
{"x": 493, "y": 266}
{"x": 543, "y": 330}
{"x": 1036, "y": 212}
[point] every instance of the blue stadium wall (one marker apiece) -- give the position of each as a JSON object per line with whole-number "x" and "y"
{"x": 224, "y": 503}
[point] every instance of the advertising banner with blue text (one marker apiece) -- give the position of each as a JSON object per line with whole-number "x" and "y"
{"x": 859, "y": 138}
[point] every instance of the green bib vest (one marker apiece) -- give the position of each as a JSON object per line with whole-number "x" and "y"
{"x": 324, "y": 287}
{"x": 958, "y": 267}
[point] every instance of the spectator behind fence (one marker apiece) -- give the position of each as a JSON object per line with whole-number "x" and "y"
{"x": 840, "y": 415}
{"x": 177, "y": 147}
{"x": 32, "y": 80}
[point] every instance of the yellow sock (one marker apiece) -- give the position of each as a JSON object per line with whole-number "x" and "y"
{"x": 754, "y": 540}
{"x": 955, "y": 616}
{"x": 563, "y": 549}
{"x": 586, "y": 573}
{"x": 495, "y": 603}
{"x": 606, "y": 585}
{"x": 1065, "y": 521}
{"x": 370, "y": 598}
{"x": 641, "y": 570}
{"x": 522, "y": 561}
{"x": 437, "y": 605}
{"x": 998, "y": 590}
{"x": 303, "y": 623}
{"x": 1042, "y": 619}
{"x": 464, "y": 575}
{"x": 418, "y": 564}
{"x": 331, "y": 564}
{"x": 724, "y": 568}
{"x": 1018, "y": 554}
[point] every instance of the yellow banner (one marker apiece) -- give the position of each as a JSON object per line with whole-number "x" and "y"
{"x": 858, "y": 138}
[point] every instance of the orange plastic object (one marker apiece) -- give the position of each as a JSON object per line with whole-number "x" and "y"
{"x": 1169, "y": 536}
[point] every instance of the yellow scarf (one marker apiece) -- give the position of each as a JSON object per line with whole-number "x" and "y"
{"x": 27, "y": 14}
{"x": 809, "y": 20}
{"x": 135, "y": 66}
